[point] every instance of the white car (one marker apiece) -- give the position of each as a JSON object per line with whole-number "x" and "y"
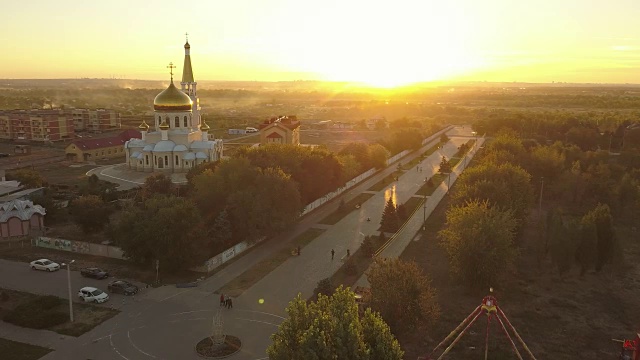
{"x": 44, "y": 264}
{"x": 89, "y": 294}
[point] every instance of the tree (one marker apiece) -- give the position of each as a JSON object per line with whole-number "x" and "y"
{"x": 361, "y": 152}
{"x": 94, "y": 186}
{"x": 402, "y": 294}
{"x": 157, "y": 184}
{"x": 90, "y": 213}
{"x": 367, "y": 246}
{"x": 28, "y": 178}
{"x": 331, "y": 328}
{"x": 390, "y": 221}
{"x": 506, "y": 186}
{"x": 163, "y": 229}
{"x": 46, "y": 200}
{"x": 600, "y": 218}
{"x": 221, "y": 234}
{"x": 379, "y": 155}
{"x": 445, "y": 166}
{"x": 324, "y": 287}
{"x": 478, "y": 239}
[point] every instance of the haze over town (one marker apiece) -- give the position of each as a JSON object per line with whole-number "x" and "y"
{"x": 377, "y": 43}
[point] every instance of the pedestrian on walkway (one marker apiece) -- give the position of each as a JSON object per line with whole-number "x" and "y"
{"x": 348, "y": 253}
{"x": 333, "y": 253}
{"x": 221, "y": 299}
{"x": 230, "y": 303}
{"x": 226, "y": 301}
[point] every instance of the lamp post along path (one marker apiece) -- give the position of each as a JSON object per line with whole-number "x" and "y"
{"x": 69, "y": 286}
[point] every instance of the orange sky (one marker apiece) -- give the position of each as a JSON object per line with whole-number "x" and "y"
{"x": 381, "y": 43}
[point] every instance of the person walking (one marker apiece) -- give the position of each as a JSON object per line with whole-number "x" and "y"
{"x": 333, "y": 253}
{"x": 230, "y": 304}
{"x": 226, "y": 301}
{"x": 348, "y": 253}
{"x": 221, "y": 299}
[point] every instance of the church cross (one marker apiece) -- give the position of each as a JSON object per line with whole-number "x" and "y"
{"x": 187, "y": 36}
{"x": 171, "y": 67}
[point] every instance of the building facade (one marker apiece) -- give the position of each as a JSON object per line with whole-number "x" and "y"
{"x": 46, "y": 125}
{"x": 20, "y": 218}
{"x": 95, "y": 121}
{"x": 280, "y": 130}
{"x": 91, "y": 149}
{"x": 178, "y": 138}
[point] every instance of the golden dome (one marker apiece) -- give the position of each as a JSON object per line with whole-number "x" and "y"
{"x": 204, "y": 126}
{"x": 164, "y": 126}
{"x": 144, "y": 126}
{"x": 172, "y": 99}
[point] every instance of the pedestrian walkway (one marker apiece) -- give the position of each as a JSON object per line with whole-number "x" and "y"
{"x": 301, "y": 274}
{"x": 409, "y": 230}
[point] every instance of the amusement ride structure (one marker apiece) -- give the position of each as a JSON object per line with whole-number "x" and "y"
{"x": 490, "y": 308}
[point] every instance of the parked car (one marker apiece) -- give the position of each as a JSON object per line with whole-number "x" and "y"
{"x": 122, "y": 287}
{"x": 89, "y": 294}
{"x": 95, "y": 273}
{"x": 44, "y": 264}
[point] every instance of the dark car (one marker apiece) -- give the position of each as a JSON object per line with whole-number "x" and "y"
{"x": 95, "y": 273}
{"x": 122, "y": 287}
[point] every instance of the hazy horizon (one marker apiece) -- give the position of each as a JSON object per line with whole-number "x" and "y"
{"x": 389, "y": 44}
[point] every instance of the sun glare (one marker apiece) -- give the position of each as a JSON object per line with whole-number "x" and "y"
{"x": 388, "y": 47}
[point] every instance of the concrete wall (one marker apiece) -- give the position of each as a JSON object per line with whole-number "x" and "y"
{"x": 79, "y": 247}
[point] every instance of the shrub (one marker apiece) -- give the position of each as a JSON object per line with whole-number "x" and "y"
{"x": 324, "y": 287}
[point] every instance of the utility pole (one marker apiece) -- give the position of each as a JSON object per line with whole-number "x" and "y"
{"x": 424, "y": 214}
{"x": 69, "y": 286}
{"x": 541, "y": 189}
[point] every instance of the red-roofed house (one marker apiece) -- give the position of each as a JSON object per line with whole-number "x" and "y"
{"x": 91, "y": 149}
{"x": 280, "y": 130}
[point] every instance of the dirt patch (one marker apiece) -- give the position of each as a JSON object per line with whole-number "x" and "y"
{"x": 558, "y": 317}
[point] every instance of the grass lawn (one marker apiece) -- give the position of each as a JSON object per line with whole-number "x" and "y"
{"x": 412, "y": 204}
{"x": 254, "y": 274}
{"x": 345, "y": 210}
{"x": 51, "y": 313}
{"x": 426, "y": 189}
{"x": 20, "y": 351}
{"x": 380, "y": 185}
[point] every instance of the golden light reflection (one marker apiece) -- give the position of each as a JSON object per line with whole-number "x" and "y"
{"x": 391, "y": 193}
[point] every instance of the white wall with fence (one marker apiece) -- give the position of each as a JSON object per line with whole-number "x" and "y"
{"x": 80, "y": 247}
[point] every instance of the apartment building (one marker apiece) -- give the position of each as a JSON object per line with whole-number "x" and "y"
{"x": 46, "y": 125}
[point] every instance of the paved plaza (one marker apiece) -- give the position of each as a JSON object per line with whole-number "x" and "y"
{"x": 167, "y": 322}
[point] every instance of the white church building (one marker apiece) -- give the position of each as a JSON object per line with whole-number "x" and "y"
{"x": 178, "y": 138}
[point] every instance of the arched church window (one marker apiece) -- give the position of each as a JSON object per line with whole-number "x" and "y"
{"x": 185, "y": 121}
{"x": 177, "y": 161}
{"x": 177, "y": 122}
{"x": 146, "y": 157}
{"x": 166, "y": 160}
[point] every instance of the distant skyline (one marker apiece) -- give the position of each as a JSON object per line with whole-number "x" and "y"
{"x": 380, "y": 43}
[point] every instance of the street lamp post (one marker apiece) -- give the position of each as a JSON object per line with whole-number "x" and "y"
{"x": 424, "y": 214}
{"x": 69, "y": 286}
{"x": 541, "y": 189}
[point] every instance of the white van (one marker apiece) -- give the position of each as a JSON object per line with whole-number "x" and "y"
{"x": 251, "y": 129}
